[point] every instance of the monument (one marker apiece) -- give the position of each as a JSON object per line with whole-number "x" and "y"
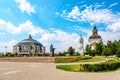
{"x": 52, "y": 50}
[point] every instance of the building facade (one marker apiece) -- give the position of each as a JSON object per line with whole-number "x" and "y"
{"x": 29, "y": 47}
{"x": 81, "y": 47}
{"x": 94, "y": 38}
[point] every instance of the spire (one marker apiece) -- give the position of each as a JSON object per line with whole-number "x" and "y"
{"x": 95, "y": 31}
{"x": 30, "y": 36}
{"x": 81, "y": 36}
{"x": 80, "y": 39}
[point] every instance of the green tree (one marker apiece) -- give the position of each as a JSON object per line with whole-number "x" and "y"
{"x": 118, "y": 53}
{"x": 71, "y": 50}
{"x": 106, "y": 51}
{"x": 93, "y": 52}
{"x": 117, "y": 43}
{"x": 88, "y": 50}
{"x": 99, "y": 48}
{"x": 112, "y": 47}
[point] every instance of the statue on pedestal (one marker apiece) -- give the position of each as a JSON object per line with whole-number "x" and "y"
{"x": 52, "y": 50}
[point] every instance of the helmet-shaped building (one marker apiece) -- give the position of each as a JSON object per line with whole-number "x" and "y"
{"x": 29, "y": 46}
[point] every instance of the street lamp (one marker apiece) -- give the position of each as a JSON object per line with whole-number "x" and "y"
{"x": 6, "y": 49}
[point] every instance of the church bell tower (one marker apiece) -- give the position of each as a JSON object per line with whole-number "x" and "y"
{"x": 81, "y": 48}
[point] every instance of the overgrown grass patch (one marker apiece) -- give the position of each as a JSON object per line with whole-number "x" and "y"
{"x": 70, "y": 59}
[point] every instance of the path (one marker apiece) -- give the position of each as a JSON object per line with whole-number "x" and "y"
{"x": 80, "y": 63}
{"x": 47, "y": 71}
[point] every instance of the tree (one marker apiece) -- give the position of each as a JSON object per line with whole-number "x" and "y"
{"x": 106, "y": 51}
{"x": 71, "y": 50}
{"x": 118, "y": 53}
{"x": 93, "y": 52}
{"x": 99, "y": 48}
{"x": 88, "y": 50}
{"x": 117, "y": 43}
{"x": 112, "y": 47}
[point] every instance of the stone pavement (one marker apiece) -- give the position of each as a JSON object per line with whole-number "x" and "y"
{"x": 47, "y": 71}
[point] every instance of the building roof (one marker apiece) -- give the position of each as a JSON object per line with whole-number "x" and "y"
{"x": 95, "y": 34}
{"x": 29, "y": 40}
{"x": 95, "y": 37}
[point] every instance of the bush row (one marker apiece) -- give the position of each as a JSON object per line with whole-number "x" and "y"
{"x": 106, "y": 66}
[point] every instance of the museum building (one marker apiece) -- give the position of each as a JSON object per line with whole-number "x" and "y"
{"x": 29, "y": 47}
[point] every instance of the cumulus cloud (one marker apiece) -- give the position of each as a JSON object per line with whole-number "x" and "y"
{"x": 26, "y": 27}
{"x": 60, "y": 39}
{"x": 92, "y": 13}
{"x": 74, "y": 14}
{"x": 96, "y": 13}
{"x": 25, "y": 6}
{"x": 115, "y": 27}
{"x": 9, "y": 46}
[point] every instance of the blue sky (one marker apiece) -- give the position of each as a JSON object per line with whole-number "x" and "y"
{"x": 58, "y": 22}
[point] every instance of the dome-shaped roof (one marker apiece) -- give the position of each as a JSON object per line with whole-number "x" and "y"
{"x": 95, "y": 37}
{"x": 29, "y": 40}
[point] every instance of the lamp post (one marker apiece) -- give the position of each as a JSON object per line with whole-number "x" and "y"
{"x": 6, "y": 49}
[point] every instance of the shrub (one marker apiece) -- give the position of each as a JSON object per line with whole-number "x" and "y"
{"x": 106, "y": 66}
{"x": 9, "y": 55}
{"x": 1, "y": 55}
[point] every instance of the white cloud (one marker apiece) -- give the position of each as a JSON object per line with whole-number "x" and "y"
{"x": 91, "y": 13}
{"x": 25, "y": 6}
{"x": 26, "y": 27}
{"x": 114, "y": 26}
{"x": 109, "y": 36}
{"x": 60, "y": 39}
{"x": 97, "y": 13}
{"x": 114, "y": 4}
{"x": 74, "y": 14}
{"x": 8, "y": 44}
{"x": 57, "y": 13}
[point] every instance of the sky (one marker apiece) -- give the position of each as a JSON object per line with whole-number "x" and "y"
{"x": 57, "y": 22}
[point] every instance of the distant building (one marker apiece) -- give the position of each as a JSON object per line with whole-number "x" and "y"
{"x": 29, "y": 47}
{"x": 94, "y": 38}
{"x": 81, "y": 47}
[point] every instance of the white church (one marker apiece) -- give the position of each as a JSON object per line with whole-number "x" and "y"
{"x": 92, "y": 41}
{"x": 94, "y": 38}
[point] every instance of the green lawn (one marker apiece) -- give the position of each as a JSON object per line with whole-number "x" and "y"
{"x": 100, "y": 67}
{"x": 94, "y": 59}
{"x": 72, "y": 68}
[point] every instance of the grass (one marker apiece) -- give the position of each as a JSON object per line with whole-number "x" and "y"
{"x": 101, "y": 67}
{"x": 72, "y": 68}
{"x": 70, "y": 59}
{"x": 94, "y": 59}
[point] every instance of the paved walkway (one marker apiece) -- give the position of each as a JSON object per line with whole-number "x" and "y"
{"x": 80, "y": 63}
{"x": 47, "y": 71}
